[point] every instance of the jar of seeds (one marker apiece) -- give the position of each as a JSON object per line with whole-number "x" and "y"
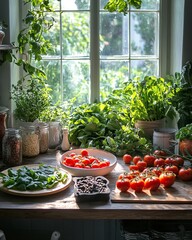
{"x": 30, "y": 143}
{"x": 12, "y": 147}
{"x": 43, "y": 137}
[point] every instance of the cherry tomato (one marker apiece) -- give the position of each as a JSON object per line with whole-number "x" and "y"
{"x": 172, "y": 168}
{"x": 159, "y": 162}
{"x": 158, "y": 170}
{"x": 179, "y": 161}
{"x": 160, "y": 153}
{"x": 127, "y": 158}
{"x": 137, "y": 184}
{"x": 133, "y": 167}
{"x": 149, "y": 159}
{"x": 185, "y": 174}
{"x": 123, "y": 184}
{"x": 146, "y": 174}
{"x": 152, "y": 183}
{"x": 167, "y": 179}
{"x": 136, "y": 159}
{"x": 169, "y": 161}
{"x": 141, "y": 165}
{"x": 185, "y": 147}
{"x": 130, "y": 175}
{"x": 84, "y": 153}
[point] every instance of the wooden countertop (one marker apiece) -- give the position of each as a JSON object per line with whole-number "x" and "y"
{"x": 63, "y": 205}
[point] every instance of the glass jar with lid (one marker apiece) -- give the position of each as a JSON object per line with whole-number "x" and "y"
{"x": 43, "y": 137}
{"x": 55, "y": 135}
{"x": 12, "y": 147}
{"x": 30, "y": 143}
{"x": 3, "y": 125}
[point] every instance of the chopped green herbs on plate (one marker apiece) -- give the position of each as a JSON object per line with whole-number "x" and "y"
{"x": 30, "y": 179}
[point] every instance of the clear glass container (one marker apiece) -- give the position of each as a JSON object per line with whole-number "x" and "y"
{"x": 12, "y": 147}
{"x": 43, "y": 137}
{"x": 55, "y": 135}
{"x": 3, "y": 125}
{"x": 30, "y": 143}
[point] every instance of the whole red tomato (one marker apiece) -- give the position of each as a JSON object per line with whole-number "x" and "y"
{"x": 137, "y": 184}
{"x": 141, "y": 165}
{"x": 158, "y": 170}
{"x": 129, "y": 175}
{"x": 169, "y": 160}
{"x": 84, "y": 153}
{"x": 133, "y": 167}
{"x": 185, "y": 146}
{"x": 136, "y": 159}
{"x": 152, "y": 183}
{"x": 179, "y": 161}
{"x": 167, "y": 179}
{"x": 160, "y": 153}
{"x": 127, "y": 158}
{"x": 185, "y": 174}
{"x": 172, "y": 168}
{"x": 123, "y": 184}
{"x": 149, "y": 159}
{"x": 159, "y": 162}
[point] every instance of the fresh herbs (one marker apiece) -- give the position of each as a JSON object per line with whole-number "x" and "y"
{"x": 185, "y": 132}
{"x": 122, "y": 5}
{"x": 25, "y": 178}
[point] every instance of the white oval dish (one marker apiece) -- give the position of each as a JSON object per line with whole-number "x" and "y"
{"x": 90, "y": 172}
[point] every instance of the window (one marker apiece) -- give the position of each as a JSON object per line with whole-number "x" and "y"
{"x": 95, "y": 51}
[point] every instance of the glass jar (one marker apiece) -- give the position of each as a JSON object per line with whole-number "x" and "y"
{"x": 54, "y": 134}
{"x": 65, "y": 145}
{"x": 30, "y": 143}
{"x": 43, "y": 137}
{"x": 3, "y": 125}
{"x": 12, "y": 147}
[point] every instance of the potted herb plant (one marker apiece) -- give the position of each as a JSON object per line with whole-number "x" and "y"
{"x": 148, "y": 102}
{"x": 184, "y": 135}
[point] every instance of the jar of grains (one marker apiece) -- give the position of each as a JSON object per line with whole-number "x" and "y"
{"x": 43, "y": 137}
{"x": 3, "y": 125}
{"x": 30, "y": 143}
{"x": 12, "y": 147}
{"x": 55, "y": 135}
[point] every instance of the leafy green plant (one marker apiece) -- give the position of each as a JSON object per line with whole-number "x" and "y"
{"x": 121, "y": 5}
{"x": 185, "y": 132}
{"x": 106, "y": 126}
{"x": 182, "y": 99}
{"x": 31, "y": 98}
{"x": 149, "y": 99}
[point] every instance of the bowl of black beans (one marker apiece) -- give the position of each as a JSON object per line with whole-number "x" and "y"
{"x": 90, "y": 188}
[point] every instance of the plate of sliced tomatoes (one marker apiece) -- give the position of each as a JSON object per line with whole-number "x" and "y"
{"x": 88, "y": 162}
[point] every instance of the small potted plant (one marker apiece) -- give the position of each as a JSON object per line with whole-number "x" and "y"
{"x": 184, "y": 135}
{"x": 148, "y": 102}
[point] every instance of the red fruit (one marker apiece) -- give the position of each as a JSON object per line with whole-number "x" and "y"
{"x": 149, "y": 159}
{"x": 127, "y": 158}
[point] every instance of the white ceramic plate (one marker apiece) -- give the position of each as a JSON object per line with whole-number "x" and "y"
{"x": 90, "y": 172}
{"x": 36, "y": 193}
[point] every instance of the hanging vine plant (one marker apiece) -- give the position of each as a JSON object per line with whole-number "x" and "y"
{"x": 122, "y": 5}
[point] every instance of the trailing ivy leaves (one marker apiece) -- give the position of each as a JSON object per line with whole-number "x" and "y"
{"x": 122, "y": 5}
{"x": 25, "y": 178}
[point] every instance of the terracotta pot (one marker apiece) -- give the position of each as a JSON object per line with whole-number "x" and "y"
{"x": 185, "y": 147}
{"x": 149, "y": 126}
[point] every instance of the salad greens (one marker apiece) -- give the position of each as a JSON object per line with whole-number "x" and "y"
{"x": 25, "y": 178}
{"x": 107, "y": 125}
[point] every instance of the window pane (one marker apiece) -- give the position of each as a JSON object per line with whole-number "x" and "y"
{"x": 144, "y": 34}
{"x": 141, "y": 68}
{"x": 103, "y": 3}
{"x": 75, "y": 4}
{"x": 113, "y": 74}
{"x": 150, "y": 4}
{"x": 76, "y": 81}
{"x": 114, "y": 34}
{"x": 55, "y": 4}
{"x": 75, "y": 33}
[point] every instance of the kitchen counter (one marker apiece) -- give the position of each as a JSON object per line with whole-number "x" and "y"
{"x": 63, "y": 205}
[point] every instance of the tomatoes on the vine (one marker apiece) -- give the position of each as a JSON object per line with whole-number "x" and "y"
{"x": 141, "y": 165}
{"x": 123, "y": 184}
{"x": 185, "y": 174}
{"x": 136, "y": 159}
{"x": 167, "y": 179}
{"x": 137, "y": 184}
{"x": 172, "y": 168}
{"x": 159, "y": 162}
{"x": 152, "y": 183}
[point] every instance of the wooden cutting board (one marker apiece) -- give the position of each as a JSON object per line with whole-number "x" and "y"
{"x": 180, "y": 192}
